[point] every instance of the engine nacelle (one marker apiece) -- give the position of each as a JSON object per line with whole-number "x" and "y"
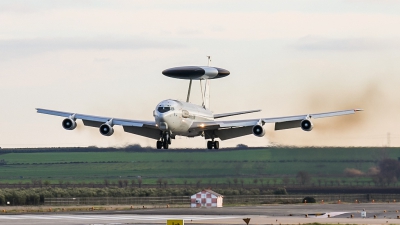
{"x": 306, "y": 125}
{"x": 258, "y": 131}
{"x": 69, "y": 124}
{"x": 106, "y": 129}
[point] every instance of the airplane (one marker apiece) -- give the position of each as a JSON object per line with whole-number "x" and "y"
{"x": 179, "y": 118}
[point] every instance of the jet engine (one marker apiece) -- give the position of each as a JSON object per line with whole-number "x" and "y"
{"x": 69, "y": 124}
{"x": 306, "y": 125}
{"x": 106, "y": 129}
{"x": 258, "y": 131}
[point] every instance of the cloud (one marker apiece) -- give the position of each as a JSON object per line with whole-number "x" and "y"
{"x": 313, "y": 43}
{"x": 39, "y": 45}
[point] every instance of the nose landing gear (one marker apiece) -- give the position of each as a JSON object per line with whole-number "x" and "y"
{"x": 165, "y": 141}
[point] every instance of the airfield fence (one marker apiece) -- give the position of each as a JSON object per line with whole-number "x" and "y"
{"x": 228, "y": 200}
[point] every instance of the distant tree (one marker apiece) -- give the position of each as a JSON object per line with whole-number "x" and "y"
{"x": 185, "y": 181}
{"x": 319, "y": 182}
{"x": 159, "y": 181}
{"x": 60, "y": 182}
{"x": 140, "y": 181}
{"x": 106, "y": 182}
{"x": 303, "y": 177}
{"x": 39, "y": 182}
{"x": 120, "y": 183}
{"x": 133, "y": 182}
{"x": 34, "y": 182}
{"x": 241, "y": 182}
{"x": 165, "y": 182}
{"x": 198, "y": 182}
{"x": 389, "y": 171}
{"x": 126, "y": 183}
{"x": 332, "y": 182}
{"x": 242, "y": 146}
{"x": 255, "y": 181}
{"x": 235, "y": 181}
{"x": 274, "y": 180}
{"x": 261, "y": 181}
{"x": 46, "y": 183}
{"x": 228, "y": 181}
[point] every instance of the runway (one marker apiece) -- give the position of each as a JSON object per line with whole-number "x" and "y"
{"x": 271, "y": 214}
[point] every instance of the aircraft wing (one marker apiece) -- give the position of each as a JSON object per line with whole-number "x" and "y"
{"x": 217, "y": 116}
{"x": 139, "y": 127}
{"x": 233, "y": 128}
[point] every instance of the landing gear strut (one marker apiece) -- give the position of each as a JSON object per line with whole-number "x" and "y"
{"x": 165, "y": 141}
{"x": 212, "y": 144}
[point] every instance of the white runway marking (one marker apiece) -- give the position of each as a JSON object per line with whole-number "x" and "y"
{"x": 332, "y": 214}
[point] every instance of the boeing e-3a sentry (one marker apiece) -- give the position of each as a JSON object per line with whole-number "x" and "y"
{"x": 179, "y": 118}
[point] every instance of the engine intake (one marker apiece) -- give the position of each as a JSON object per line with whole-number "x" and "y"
{"x": 106, "y": 130}
{"x": 69, "y": 124}
{"x": 258, "y": 131}
{"x": 306, "y": 125}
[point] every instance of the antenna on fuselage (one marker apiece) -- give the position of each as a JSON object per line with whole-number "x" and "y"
{"x": 206, "y": 95}
{"x": 190, "y": 88}
{"x": 197, "y": 73}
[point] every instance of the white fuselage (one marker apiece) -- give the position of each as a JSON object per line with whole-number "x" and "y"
{"x": 177, "y": 116}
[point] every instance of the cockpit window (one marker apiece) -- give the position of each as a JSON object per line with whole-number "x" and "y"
{"x": 164, "y": 109}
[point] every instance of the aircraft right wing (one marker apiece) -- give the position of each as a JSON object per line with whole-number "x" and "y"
{"x": 143, "y": 128}
{"x": 236, "y": 128}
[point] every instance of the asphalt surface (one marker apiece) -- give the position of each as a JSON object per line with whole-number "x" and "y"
{"x": 272, "y": 214}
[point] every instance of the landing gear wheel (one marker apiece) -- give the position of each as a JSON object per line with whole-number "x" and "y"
{"x": 210, "y": 144}
{"x": 165, "y": 145}
{"x": 159, "y": 144}
{"x": 216, "y": 144}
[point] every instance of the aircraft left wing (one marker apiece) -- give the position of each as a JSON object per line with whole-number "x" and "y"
{"x": 233, "y": 128}
{"x": 139, "y": 127}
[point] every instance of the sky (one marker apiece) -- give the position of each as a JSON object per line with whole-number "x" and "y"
{"x": 285, "y": 57}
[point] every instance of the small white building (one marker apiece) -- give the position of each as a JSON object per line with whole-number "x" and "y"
{"x": 206, "y": 198}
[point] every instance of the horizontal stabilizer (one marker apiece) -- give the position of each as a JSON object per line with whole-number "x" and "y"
{"x": 216, "y": 116}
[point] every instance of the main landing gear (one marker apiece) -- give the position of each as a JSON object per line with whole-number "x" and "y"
{"x": 211, "y": 144}
{"x": 165, "y": 141}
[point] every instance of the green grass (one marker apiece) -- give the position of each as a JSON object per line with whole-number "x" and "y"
{"x": 210, "y": 166}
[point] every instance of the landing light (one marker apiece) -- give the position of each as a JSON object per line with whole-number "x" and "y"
{"x": 202, "y": 125}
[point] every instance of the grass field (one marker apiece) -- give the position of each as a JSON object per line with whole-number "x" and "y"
{"x": 178, "y": 165}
